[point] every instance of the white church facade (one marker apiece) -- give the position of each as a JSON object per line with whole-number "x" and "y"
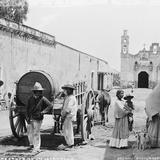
{"x": 142, "y": 69}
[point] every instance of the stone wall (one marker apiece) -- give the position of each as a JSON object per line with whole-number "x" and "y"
{"x": 21, "y": 52}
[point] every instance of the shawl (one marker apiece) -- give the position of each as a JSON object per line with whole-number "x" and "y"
{"x": 152, "y": 102}
{"x": 119, "y": 112}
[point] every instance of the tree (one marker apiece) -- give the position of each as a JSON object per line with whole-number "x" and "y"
{"x": 15, "y": 10}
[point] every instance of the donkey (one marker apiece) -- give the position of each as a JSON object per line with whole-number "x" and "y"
{"x": 104, "y": 101}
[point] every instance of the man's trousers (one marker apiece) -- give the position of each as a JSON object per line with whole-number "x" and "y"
{"x": 68, "y": 131}
{"x": 34, "y": 137}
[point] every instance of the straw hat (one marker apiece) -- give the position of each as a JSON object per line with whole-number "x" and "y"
{"x": 69, "y": 86}
{"x": 37, "y": 87}
{"x": 1, "y": 82}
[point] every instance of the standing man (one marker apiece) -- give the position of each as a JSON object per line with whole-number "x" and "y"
{"x": 37, "y": 106}
{"x": 69, "y": 113}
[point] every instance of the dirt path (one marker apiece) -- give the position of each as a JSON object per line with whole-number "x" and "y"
{"x": 95, "y": 150}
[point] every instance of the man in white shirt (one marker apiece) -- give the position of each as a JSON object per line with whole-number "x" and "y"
{"x": 69, "y": 113}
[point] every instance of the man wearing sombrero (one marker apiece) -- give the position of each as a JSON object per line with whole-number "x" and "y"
{"x": 69, "y": 112}
{"x": 38, "y": 105}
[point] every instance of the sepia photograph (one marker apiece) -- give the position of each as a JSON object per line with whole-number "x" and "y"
{"x": 79, "y": 80}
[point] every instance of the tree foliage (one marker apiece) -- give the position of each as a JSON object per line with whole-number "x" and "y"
{"x": 15, "y": 10}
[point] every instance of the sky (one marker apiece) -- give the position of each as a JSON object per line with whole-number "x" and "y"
{"x": 95, "y": 26}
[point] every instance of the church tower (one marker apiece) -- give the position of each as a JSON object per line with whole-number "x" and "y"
{"x": 124, "y": 43}
{"x": 126, "y": 75}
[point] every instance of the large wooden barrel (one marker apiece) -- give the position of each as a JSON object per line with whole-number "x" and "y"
{"x": 27, "y": 81}
{"x": 25, "y": 84}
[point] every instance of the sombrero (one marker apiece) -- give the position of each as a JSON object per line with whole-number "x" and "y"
{"x": 1, "y": 82}
{"x": 128, "y": 96}
{"x": 37, "y": 87}
{"x": 69, "y": 86}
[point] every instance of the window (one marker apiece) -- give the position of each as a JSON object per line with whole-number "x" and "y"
{"x": 100, "y": 81}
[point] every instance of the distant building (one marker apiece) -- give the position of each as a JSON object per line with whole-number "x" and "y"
{"x": 142, "y": 69}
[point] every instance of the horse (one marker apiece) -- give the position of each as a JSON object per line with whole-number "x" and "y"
{"x": 104, "y": 101}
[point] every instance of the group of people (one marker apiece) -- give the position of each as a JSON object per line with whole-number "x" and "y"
{"x": 123, "y": 114}
{"x": 5, "y": 99}
{"x": 38, "y": 105}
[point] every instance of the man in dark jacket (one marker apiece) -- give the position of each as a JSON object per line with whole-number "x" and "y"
{"x": 38, "y": 105}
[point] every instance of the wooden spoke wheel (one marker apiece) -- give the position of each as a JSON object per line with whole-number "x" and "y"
{"x": 17, "y": 121}
{"x": 57, "y": 123}
{"x": 87, "y": 114}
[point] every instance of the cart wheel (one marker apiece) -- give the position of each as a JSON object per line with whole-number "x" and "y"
{"x": 87, "y": 115}
{"x": 17, "y": 122}
{"x": 57, "y": 124}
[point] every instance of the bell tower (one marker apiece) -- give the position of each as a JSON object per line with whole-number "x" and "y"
{"x": 124, "y": 43}
{"x": 126, "y": 74}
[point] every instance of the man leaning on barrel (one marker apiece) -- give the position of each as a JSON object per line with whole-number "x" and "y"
{"x": 37, "y": 106}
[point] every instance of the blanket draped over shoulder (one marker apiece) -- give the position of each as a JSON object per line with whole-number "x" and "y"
{"x": 153, "y": 102}
{"x": 118, "y": 112}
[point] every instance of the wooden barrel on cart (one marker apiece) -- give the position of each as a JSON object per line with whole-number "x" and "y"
{"x": 27, "y": 81}
{"x": 23, "y": 92}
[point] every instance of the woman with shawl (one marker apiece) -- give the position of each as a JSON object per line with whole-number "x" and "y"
{"x": 153, "y": 112}
{"x": 120, "y": 133}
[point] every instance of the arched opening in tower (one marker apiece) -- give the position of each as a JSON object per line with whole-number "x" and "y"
{"x": 143, "y": 80}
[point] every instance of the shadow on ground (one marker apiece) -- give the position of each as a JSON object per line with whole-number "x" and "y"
{"x": 48, "y": 141}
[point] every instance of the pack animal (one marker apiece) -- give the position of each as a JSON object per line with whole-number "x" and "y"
{"x": 104, "y": 101}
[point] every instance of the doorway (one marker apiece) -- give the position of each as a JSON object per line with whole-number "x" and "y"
{"x": 143, "y": 80}
{"x": 100, "y": 81}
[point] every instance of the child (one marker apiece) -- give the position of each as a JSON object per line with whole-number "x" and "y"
{"x": 129, "y": 107}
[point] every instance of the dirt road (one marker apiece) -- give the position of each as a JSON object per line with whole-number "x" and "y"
{"x": 95, "y": 150}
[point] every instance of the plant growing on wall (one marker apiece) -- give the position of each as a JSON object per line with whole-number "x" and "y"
{"x": 15, "y": 10}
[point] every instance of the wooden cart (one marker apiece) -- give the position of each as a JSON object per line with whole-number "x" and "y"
{"x": 17, "y": 109}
